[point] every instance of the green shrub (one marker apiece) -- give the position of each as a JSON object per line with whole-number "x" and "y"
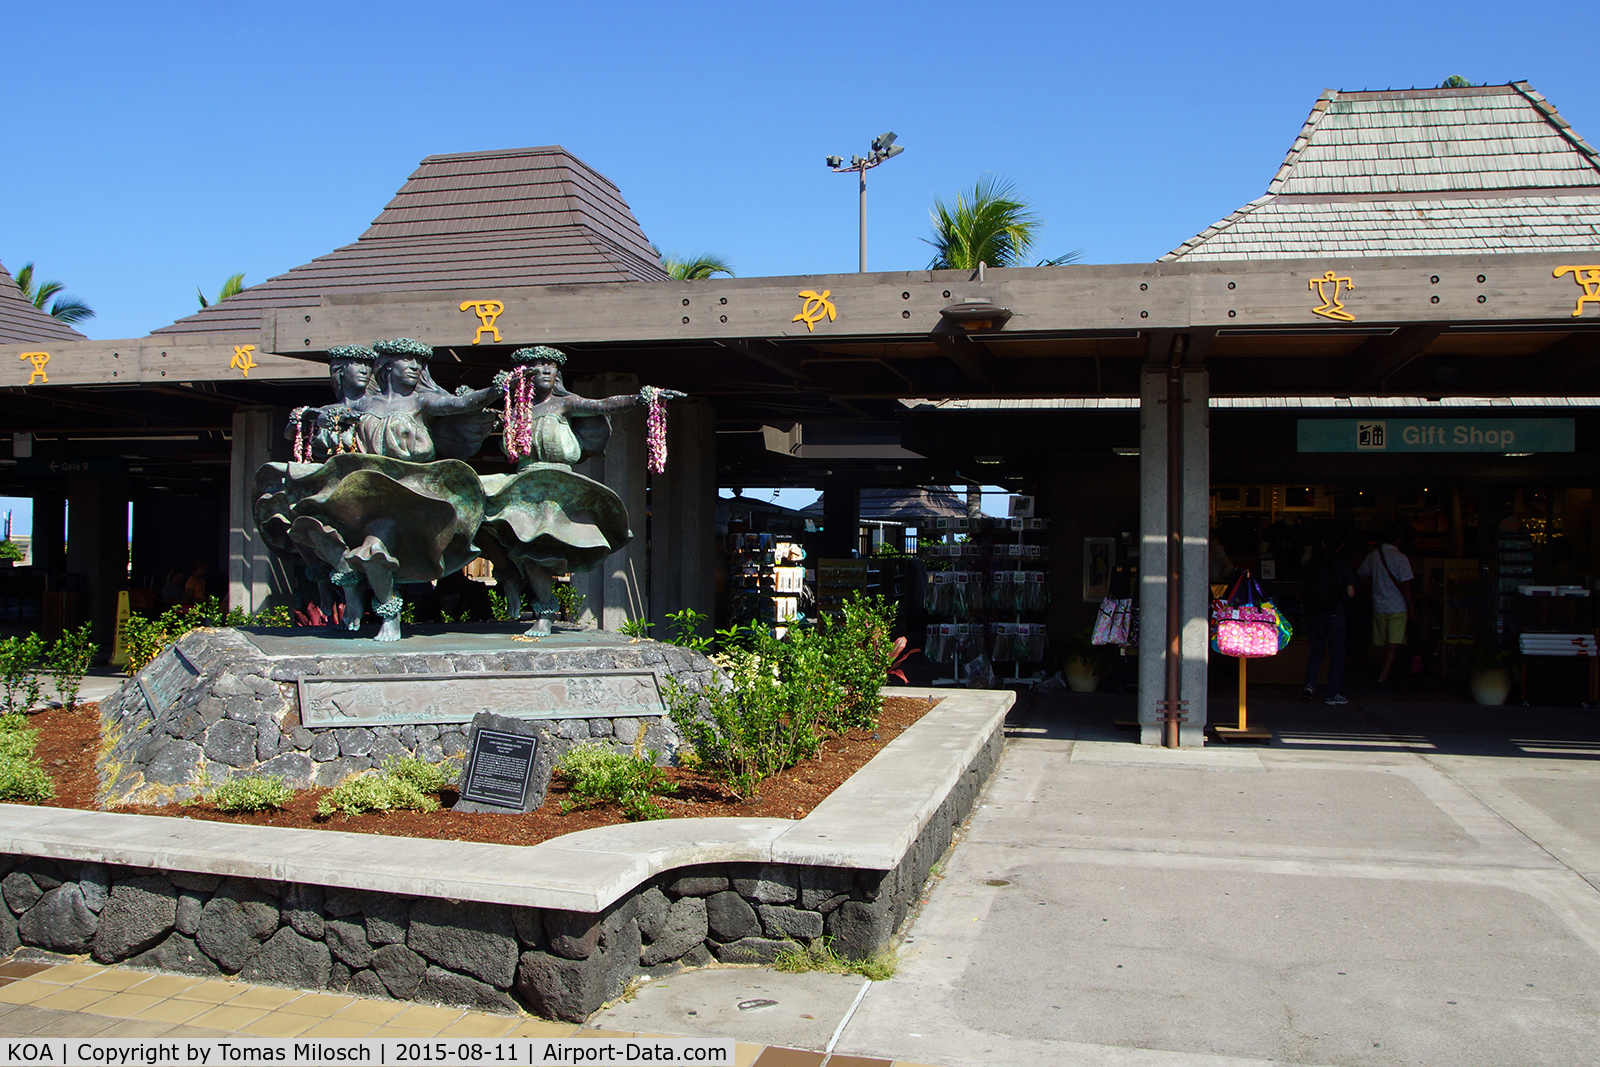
{"x": 278, "y": 616}
{"x": 570, "y": 600}
{"x": 251, "y": 792}
{"x": 401, "y": 785}
{"x": 426, "y": 777}
{"x": 600, "y": 774}
{"x": 771, "y": 717}
{"x": 20, "y": 660}
{"x": 635, "y": 628}
{"x": 68, "y": 661}
{"x": 499, "y": 606}
{"x": 22, "y": 778}
{"x": 12, "y": 551}
{"x": 860, "y": 652}
{"x": 787, "y": 694}
{"x": 685, "y": 627}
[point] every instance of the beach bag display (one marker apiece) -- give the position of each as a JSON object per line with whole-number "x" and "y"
{"x": 1115, "y": 624}
{"x": 1245, "y": 624}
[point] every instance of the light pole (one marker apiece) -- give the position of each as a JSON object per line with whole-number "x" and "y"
{"x": 883, "y": 147}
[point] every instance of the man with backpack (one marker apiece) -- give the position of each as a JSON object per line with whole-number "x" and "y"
{"x": 1388, "y": 571}
{"x": 1329, "y": 584}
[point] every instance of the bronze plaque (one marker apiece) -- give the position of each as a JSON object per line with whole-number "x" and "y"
{"x": 400, "y": 699}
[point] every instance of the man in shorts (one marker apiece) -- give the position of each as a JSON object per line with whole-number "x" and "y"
{"x": 1388, "y": 571}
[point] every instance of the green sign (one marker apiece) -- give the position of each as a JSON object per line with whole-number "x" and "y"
{"x": 1435, "y": 434}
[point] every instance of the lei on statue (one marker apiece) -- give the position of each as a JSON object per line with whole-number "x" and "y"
{"x": 520, "y": 393}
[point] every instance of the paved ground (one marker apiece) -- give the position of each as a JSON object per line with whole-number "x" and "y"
{"x": 1401, "y": 881}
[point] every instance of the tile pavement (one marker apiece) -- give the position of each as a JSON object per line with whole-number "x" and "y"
{"x": 40, "y": 998}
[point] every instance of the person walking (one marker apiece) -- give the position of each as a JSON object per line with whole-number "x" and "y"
{"x": 1330, "y": 584}
{"x": 1388, "y": 571}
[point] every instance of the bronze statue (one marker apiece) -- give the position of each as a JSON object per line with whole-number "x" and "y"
{"x": 369, "y": 501}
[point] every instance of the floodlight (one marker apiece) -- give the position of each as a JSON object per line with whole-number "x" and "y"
{"x": 883, "y": 141}
{"x": 834, "y": 161}
{"x": 892, "y": 151}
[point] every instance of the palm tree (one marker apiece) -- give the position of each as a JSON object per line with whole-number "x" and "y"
{"x": 700, "y": 267}
{"x": 232, "y": 287}
{"x": 993, "y": 225}
{"x": 67, "y": 309}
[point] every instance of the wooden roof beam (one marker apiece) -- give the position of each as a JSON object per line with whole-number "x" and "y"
{"x": 785, "y": 361}
{"x": 970, "y": 355}
{"x": 1572, "y": 356}
{"x": 1379, "y": 358}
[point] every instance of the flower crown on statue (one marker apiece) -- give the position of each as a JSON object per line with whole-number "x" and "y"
{"x": 527, "y": 357}
{"x": 403, "y": 346}
{"x": 351, "y": 354}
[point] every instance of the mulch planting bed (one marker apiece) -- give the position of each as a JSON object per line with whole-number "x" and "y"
{"x": 68, "y": 741}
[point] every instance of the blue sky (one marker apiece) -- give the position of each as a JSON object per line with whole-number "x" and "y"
{"x": 151, "y": 148}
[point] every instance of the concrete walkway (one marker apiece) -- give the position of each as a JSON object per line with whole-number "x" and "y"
{"x": 1400, "y": 881}
{"x": 1397, "y": 882}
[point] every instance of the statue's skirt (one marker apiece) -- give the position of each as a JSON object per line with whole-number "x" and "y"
{"x": 417, "y": 519}
{"x": 548, "y": 515}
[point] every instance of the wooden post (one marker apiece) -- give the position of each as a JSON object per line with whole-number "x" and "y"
{"x": 1244, "y": 721}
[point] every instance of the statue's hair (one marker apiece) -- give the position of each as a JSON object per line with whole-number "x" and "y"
{"x": 526, "y": 357}
{"x": 399, "y": 347}
{"x": 351, "y": 354}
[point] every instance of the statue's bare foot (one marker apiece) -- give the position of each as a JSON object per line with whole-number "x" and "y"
{"x": 540, "y": 628}
{"x": 389, "y": 631}
{"x": 353, "y": 608}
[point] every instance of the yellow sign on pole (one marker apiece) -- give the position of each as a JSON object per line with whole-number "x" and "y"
{"x": 119, "y": 649}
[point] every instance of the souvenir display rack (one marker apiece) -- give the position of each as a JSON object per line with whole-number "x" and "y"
{"x": 992, "y": 586}
{"x": 766, "y": 580}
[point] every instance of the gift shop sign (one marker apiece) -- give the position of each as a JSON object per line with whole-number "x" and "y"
{"x": 1435, "y": 435}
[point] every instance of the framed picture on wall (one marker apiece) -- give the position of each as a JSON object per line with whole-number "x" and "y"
{"x": 1098, "y": 555}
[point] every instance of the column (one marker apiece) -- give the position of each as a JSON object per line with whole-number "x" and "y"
{"x": 841, "y": 520}
{"x": 49, "y": 533}
{"x": 257, "y": 577}
{"x": 616, "y": 591}
{"x": 97, "y": 547}
{"x": 683, "y": 511}
{"x": 1195, "y": 527}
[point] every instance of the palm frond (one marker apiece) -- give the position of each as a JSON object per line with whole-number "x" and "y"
{"x": 232, "y": 287}
{"x": 992, "y": 225}
{"x": 204, "y": 303}
{"x": 700, "y": 267}
{"x": 1062, "y": 260}
{"x": 70, "y": 309}
{"x": 24, "y": 280}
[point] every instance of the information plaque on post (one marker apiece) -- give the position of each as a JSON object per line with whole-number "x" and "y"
{"x": 498, "y": 774}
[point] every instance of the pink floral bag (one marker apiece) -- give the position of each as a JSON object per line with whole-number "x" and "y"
{"x": 1245, "y": 630}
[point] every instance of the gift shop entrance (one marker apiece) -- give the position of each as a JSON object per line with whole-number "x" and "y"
{"x": 1488, "y": 515}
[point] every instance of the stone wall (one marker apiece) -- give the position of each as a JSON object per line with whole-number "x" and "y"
{"x": 495, "y": 957}
{"x": 228, "y": 709}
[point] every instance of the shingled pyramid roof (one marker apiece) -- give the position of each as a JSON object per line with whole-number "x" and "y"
{"x": 23, "y": 324}
{"x": 519, "y": 216}
{"x": 1421, "y": 172}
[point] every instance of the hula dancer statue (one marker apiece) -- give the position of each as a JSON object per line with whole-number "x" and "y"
{"x": 383, "y": 508}
{"x": 546, "y": 519}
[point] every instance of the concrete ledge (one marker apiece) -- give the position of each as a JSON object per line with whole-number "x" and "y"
{"x": 870, "y": 822}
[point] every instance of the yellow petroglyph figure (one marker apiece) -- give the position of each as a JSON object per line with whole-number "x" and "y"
{"x": 1331, "y": 307}
{"x": 1588, "y": 279}
{"x": 38, "y": 359}
{"x": 487, "y": 311}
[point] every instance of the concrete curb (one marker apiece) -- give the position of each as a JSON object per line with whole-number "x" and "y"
{"x": 585, "y": 871}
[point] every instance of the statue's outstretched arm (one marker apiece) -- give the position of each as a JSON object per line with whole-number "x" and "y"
{"x": 443, "y": 404}
{"x": 577, "y": 405}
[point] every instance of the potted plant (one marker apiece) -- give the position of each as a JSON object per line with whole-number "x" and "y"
{"x": 1490, "y": 674}
{"x": 1084, "y": 663}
